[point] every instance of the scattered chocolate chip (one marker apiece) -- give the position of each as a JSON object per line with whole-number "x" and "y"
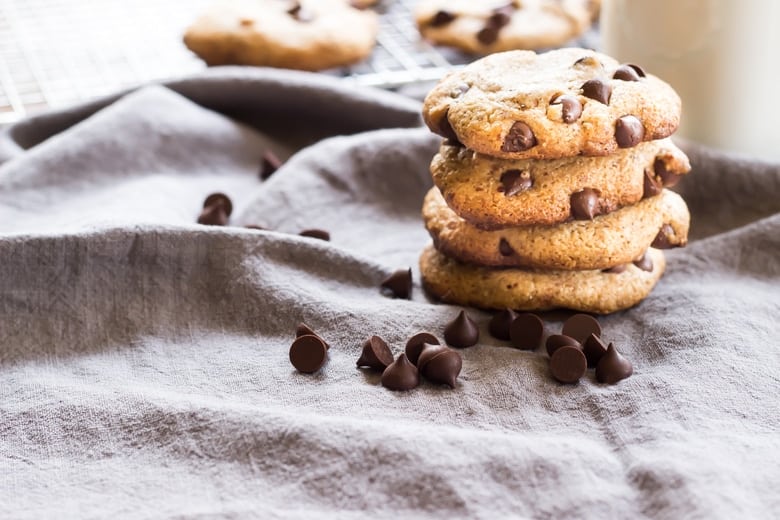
{"x": 613, "y": 367}
{"x": 441, "y": 18}
{"x": 269, "y": 163}
{"x": 526, "y": 331}
{"x": 461, "y": 332}
{"x": 440, "y": 364}
{"x": 504, "y": 248}
{"x": 459, "y": 90}
{"x": 500, "y": 323}
{"x": 319, "y": 234}
{"x": 587, "y": 61}
{"x": 571, "y": 108}
{"x": 668, "y": 178}
{"x": 598, "y": 90}
{"x": 415, "y": 345}
{"x": 645, "y": 263}
{"x": 639, "y": 70}
{"x": 255, "y": 227}
{"x": 580, "y": 326}
{"x": 401, "y": 375}
{"x": 304, "y": 330}
{"x": 663, "y": 240}
{"x": 626, "y": 73}
{"x": 616, "y": 269}
{"x": 299, "y": 13}
{"x": 515, "y": 181}
{"x": 487, "y": 35}
{"x": 501, "y": 16}
{"x": 216, "y": 209}
{"x": 585, "y": 204}
{"x": 651, "y": 186}
{"x": 376, "y": 354}
{"x": 594, "y": 350}
{"x": 308, "y": 353}
{"x": 399, "y": 284}
{"x": 568, "y": 364}
{"x": 557, "y": 341}
{"x": 519, "y": 138}
{"x": 629, "y": 131}
{"x": 445, "y": 128}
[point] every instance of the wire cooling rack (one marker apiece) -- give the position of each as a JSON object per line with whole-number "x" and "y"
{"x": 59, "y": 52}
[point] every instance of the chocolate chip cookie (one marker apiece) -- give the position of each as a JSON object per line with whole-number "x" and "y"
{"x": 604, "y": 242}
{"x": 563, "y": 103}
{"x": 494, "y": 193}
{"x": 588, "y": 291}
{"x": 500, "y": 25}
{"x": 303, "y": 34}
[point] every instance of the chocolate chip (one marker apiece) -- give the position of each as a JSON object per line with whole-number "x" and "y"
{"x": 399, "y": 284}
{"x": 440, "y": 364}
{"x": 504, "y": 248}
{"x": 514, "y": 182}
{"x": 501, "y": 16}
{"x": 255, "y": 227}
{"x": 401, "y": 375}
{"x": 319, "y": 234}
{"x": 571, "y": 108}
{"x": 461, "y": 332}
{"x": 299, "y": 13}
{"x": 526, "y": 331}
{"x": 613, "y": 367}
{"x": 308, "y": 353}
{"x": 639, "y": 70}
{"x": 376, "y": 354}
{"x": 587, "y": 61}
{"x": 519, "y": 138}
{"x": 598, "y": 90}
{"x": 580, "y": 326}
{"x": 445, "y": 128}
{"x": 594, "y": 350}
{"x": 668, "y": 178}
{"x": 585, "y": 204}
{"x": 415, "y": 345}
{"x": 500, "y": 323}
{"x": 651, "y": 186}
{"x": 629, "y": 131}
{"x": 459, "y": 90}
{"x": 487, "y": 35}
{"x": 616, "y": 269}
{"x": 663, "y": 240}
{"x": 557, "y": 341}
{"x": 645, "y": 263}
{"x": 216, "y": 209}
{"x": 568, "y": 364}
{"x": 626, "y": 73}
{"x": 304, "y": 330}
{"x": 441, "y": 18}
{"x": 269, "y": 164}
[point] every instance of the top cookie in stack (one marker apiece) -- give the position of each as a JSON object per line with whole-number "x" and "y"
{"x": 554, "y": 169}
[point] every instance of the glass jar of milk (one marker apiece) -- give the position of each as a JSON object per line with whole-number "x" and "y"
{"x": 722, "y": 57}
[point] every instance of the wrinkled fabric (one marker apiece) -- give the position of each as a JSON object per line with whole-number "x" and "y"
{"x": 144, "y": 368}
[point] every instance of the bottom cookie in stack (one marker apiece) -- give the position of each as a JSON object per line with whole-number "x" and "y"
{"x": 597, "y": 291}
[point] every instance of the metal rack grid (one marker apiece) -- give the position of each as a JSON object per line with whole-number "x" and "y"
{"x": 58, "y": 52}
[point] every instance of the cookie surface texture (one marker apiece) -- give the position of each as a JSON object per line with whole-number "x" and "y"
{"x": 606, "y": 241}
{"x": 562, "y": 103}
{"x": 493, "y": 193}
{"x": 488, "y": 288}
{"x": 485, "y": 27}
{"x": 305, "y": 35}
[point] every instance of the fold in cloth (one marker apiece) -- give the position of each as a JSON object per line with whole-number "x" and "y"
{"x": 144, "y": 364}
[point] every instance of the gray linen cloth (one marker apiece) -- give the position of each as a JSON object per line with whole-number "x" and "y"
{"x": 144, "y": 367}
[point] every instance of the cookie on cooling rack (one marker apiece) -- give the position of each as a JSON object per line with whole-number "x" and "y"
{"x": 494, "y": 193}
{"x": 604, "y": 242}
{"x": 601, "y": 292}
{"x": 561, "y": 103}
{"x": 501, "y": 25}
{"x": 304, "y": 35}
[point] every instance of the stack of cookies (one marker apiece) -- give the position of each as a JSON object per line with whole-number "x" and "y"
{"x": 550, "y": 184}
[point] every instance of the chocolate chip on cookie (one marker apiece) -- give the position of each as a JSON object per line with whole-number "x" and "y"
{"x": 585, "y": 204}
{"x": 515, "y": 181}
{"x": 519, "y": 138}
{"x": 628, "y": 72}
{"x": 651, "y": 186}
{"x": 598, "y": 90}
{"x": 629, "y": 131}
{"x": 571, "y": 108}
{"x": 441, "y": 18}
{"x": 645, "y": 263}
{"x": 664, "y": 238}
{"x": 668, "y": 178}
{"x": 504, "y": 248}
